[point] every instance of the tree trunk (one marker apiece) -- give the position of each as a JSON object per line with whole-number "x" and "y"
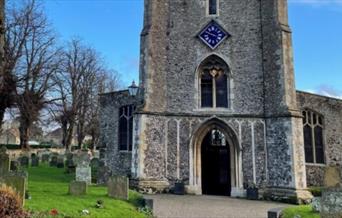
{"x": 69, "y": 136}
{"x": 24, "y": 135}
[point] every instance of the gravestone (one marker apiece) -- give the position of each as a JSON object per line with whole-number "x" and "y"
{"x": 34, "y": 160}
{"x": 14, "y": 165}
{"x": 53, "y": 161}
{"x": 103, "y": 174}
{"x": 45, "y": 158}
{"x": 18, "y": 181}
{"x": 77, "y": 188}
{"x": 331, "y": 201}
{"x": 118, "y": 187}
{"x": 4, "y": 161}
{"x": 60, "y": 161}
{"x": 94, "y": 165}
{"x": 83, "y": 171}
{"x": 24, "y": 161}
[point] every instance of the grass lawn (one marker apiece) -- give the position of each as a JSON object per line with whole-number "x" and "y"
{"x": 304, "y": 211}
{"x": 48, "y": 188}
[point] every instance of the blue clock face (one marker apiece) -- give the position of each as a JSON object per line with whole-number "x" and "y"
{"x": 213, "y": 34}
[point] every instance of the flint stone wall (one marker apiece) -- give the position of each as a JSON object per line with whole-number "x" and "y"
{"x": 162, "y": 151}
{"x": 331, "y": 110}
{"x": 118, "y": 161}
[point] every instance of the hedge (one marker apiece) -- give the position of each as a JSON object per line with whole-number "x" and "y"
{"x": 15, "y": 146}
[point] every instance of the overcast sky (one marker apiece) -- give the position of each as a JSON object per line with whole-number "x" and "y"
{"x": 113, "y": 27}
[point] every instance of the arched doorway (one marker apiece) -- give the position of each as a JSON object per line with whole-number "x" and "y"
{"x": 215, "y": 164}
{"x": 219, "y": 164}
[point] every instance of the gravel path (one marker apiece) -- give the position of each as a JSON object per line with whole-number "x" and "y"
{"x": 204, "y": 206}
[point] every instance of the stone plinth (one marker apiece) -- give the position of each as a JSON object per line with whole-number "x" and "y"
{"x": 77, "y": 188}
{"x": 118, "y": 187}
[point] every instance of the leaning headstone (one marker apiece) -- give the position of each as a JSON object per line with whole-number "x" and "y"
{"x": 103, "y": 174}
{"x": 118, "y": 187}
{"x": 24, "y": 161}
{"x": 45, "y": 158}
{"x": 34, "y": 160}
{"x": 53, "y": 161}
{"x": 77, "y": 188}
{"x": 331, "y": 201}
{"x": 94, "y": 165}
{"x": 60, "y": 161}
{"x": 4, "y": 161}
{"x": 14, "y": 165}
{"x": 83, "y": 171}
{"x": 17, "y": 181}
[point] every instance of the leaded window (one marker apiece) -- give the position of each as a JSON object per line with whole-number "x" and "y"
{"x": 214, "y": 84}
{"x": 313, "y": 137}
{"x": 213, "y": 6}
{"x": 126, "y": 127}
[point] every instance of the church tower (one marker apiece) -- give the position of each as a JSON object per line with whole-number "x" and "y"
{"x": 219, "y": 106}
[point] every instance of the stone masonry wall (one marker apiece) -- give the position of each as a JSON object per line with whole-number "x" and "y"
{"x": 166, "y": 142}
{"x": 331, "y": 110}
{"x": 171, "y": 53}
{"x": 118, "y": 161}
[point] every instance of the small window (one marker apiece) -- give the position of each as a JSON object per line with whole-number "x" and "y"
{"x": 213, "y": 6}
{"x": 313, "y": 137}
{"x": 126, "y": 127}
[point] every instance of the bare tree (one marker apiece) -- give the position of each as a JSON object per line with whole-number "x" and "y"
{"x": 34, "y": 71}
{"x": 17, "y": 29}
{"x": 78, "y": 86}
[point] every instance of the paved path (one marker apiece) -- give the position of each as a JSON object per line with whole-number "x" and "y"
{"x": 190, "y": 206}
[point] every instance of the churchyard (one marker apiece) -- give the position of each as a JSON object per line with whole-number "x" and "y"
{"x": 66, "y": 186}
{"x": 79, "y": 184}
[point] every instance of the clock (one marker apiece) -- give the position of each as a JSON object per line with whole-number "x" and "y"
{"x": 213, "y": 35}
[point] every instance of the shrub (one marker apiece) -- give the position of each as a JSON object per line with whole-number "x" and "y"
{"x": 11, "y": 203}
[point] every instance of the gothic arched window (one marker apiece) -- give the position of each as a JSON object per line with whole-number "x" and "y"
{"x": 126, "y": 127}
{"x": 214, "y": 83}
{"x": 313, "y": 137}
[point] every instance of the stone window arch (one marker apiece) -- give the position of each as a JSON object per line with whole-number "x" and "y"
{"x": 126, "y": 127}
{"x": 313, "y": 124}
{"x": 214, "y": 83}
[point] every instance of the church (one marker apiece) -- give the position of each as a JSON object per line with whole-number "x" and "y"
{"x": 216, "y": 106}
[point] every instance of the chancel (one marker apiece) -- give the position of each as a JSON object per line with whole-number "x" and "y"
{"x": 216, "y": 106}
